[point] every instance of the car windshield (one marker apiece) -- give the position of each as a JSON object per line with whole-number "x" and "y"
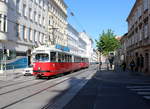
{"x": 42, "y": 57}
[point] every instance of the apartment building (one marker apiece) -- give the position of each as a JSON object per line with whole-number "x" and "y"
{"x": 88, "y": 48}
{"x": 138, "y": 39}
{"x": 23, "y": 26}
{"x": 73, "y": 39}
{"x": 57, "y": 14}
{"x": 95, "y": 57}
{"x": 81, "y": 44}
{"x": 120, "y": 53}
{"x": 26, "y": 24}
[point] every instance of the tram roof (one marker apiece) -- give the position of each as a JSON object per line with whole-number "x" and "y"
{"x": 52, "y": 48}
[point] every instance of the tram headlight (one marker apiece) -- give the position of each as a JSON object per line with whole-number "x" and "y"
{"x": 39, "y": 68}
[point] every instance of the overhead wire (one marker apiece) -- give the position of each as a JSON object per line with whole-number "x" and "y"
{"x": 75, "y": 19}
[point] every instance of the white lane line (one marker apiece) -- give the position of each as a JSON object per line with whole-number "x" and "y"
{"x": 140, "y": 89}
{"x": 136, "y": 87}
{"x": 143, "y": 93}
{"x": 147, "y": 97}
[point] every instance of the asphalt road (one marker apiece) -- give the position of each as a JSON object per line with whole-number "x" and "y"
{"x": 84, "y": 89}
{"x": 29, "y": 93}
{"x": 113, "y": 90}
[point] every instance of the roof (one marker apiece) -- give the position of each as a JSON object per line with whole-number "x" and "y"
{"x": 132, "y": 9}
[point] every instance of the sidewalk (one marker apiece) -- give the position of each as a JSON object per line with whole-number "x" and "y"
{"x": 107, "y": 90}
{"x": 11, "y": 74}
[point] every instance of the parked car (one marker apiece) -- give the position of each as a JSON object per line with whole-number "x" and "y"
{"x": 28, "y": 71}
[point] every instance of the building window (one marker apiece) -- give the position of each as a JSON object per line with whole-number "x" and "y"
{"x": 37, "y": 1}
{"x": 145, "y": 4}
{"x": 43, "y": 21}
{"x": 139, "y": 11}
{"x": 17, "y": 4}
{"x": 24, "y": 10}
{"x": 17, "y": 30}
{"x": 43, "y": 38}
{"x": 29, "y": 34}
{"x": 23, "y": 31}
{"x": 30, "y": 13}
{"x": 40, "y": 19}
{"x": 3, "y": 23}
{"x": 35, "y": 35}
{"x": 34, "y": 15}
{"x": 0, "y": 22}
{"x": 145, "y": 31}
{"x": 41, "y": 3}
{"x": 6, "y": 1}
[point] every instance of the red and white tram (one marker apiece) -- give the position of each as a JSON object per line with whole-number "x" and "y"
{"x": 50, "y": 61}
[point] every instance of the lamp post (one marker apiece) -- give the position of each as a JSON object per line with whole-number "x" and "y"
{"x": 53, "y": 41}
{"x": 100, "y": 61}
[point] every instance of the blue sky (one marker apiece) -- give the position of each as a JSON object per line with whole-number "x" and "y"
{"x": 97, "y": 15}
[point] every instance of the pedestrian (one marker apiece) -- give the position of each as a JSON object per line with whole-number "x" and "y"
{"x": 141, "y": 62}
{"x": 124, "y": 66}
{"x": 137, "y": 64}
{"x": 111, "y": 62}
{"x": 132, "y": 65}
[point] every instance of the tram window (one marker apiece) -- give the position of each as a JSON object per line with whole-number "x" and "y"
{"x": 63, "y": 57}
{"x": 70, "y": 59}
{"x": 66, "y": 58}
{"x": 41, "y": 57}
{"x": 53, "y": 56}
{"x": 59, "y": 57}
{"x": 75, "y": 59}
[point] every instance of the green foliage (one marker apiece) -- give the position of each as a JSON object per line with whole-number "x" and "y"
{"x": 107, "y": 42}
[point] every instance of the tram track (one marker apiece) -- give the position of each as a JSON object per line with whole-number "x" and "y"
{"x": 42, "y": 90}
{"x": 22, "y": 88}
{"x": 16, "y": 83}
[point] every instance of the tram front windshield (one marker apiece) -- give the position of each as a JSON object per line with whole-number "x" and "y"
{"x": 42, "y": 57}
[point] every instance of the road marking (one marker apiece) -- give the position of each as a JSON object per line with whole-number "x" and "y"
{"x": 147, "y": 97}
{"x": 140, "y": 89}
{"x": 143, "y": 93}
{"x": 136, "y": 87}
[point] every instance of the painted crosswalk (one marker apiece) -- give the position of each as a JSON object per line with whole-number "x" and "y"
{"x": 141, "y": 89}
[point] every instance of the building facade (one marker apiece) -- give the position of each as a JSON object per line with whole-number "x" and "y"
{"x": 57, "y": 14}
{"x": 120, "y": 53}
{"x": 23, "y": 26}
{"x": 138, "y": 39}
{"x": 81, "y": 44}
{"x": 95, "y": 57}
{"x": 89, "y": 45}
{"x": 73, "y": 39}
{"x": 26, "y": 24}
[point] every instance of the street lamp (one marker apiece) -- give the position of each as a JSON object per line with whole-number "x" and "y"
{"x": 100, "y": 61}
{"x": 53, "y": 41}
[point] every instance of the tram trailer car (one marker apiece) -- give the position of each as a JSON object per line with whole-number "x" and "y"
{"x": 49, "y": 62}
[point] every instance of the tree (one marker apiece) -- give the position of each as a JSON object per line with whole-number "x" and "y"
{"x": 107, "y": 42}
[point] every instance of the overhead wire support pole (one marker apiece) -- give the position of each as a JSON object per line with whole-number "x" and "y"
{"x": 76, "y": 20}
